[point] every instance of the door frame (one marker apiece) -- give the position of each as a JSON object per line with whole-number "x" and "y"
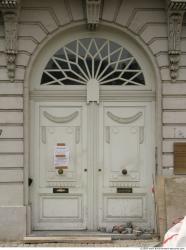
{"x": 26, "y": 97}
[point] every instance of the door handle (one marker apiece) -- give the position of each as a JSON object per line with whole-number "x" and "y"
{"x": 30, "y": 180}
{"x": 124, "y": 172}
{"x": 60, "y": 171}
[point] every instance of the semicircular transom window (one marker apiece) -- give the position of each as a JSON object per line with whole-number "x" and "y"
{"x": 92, "y": 58}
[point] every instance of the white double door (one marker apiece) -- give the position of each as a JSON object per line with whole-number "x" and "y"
{"x": 109, "y": 176}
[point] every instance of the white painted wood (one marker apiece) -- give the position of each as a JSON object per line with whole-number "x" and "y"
{"x": 11, "y": 194}
{"x": 61, "y": 207}
{"x": 125, "y": 150}
{"x": 174, "y": 117}
{"x": 11, "y": 132}
{"x": 11, "y": 146}
{"x": 73, "y": 215}
{"x": 92, "y": 91}
{"x": 11, "y": 160}
{"x": 11, "y": 175}
{"x": 11, "y": 102}
{"x": 123, "y": 207}
{"x": 93, "y": 213}
{"x": 11, "y": 88}
{"x": 11, "y": 117}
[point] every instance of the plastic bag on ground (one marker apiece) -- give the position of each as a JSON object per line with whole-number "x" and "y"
{"x": 176, "y": 235}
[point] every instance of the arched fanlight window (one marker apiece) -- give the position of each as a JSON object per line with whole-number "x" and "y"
{"x": 92, "y": 58}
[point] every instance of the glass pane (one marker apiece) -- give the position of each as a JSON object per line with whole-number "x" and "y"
{"x": 83, "y": 59}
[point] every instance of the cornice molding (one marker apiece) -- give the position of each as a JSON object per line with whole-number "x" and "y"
{"x": 175, "y": 13}
{"x": 10, "y": 12}
{"x": 93, "y": 8}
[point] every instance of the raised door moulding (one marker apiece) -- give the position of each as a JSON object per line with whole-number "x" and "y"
{"x": 124, "y": 120}
{"x": 10, "y": 9}
{"x": 61, "y": 119}
{"x": 175, "y": 10}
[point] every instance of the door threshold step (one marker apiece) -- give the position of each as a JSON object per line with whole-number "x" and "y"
{"x": 114, "y": 236}
{"x": 66, "y": 239}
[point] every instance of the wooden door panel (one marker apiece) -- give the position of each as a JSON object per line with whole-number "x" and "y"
{"x": 127, "y": 144}
{"x": 122, "y": 151}
{"x": 60, "y": 123}
{"x": 65, "y": 135}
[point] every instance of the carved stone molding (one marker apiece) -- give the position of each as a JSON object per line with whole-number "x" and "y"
{"x": 10, "y": 10}
{"x": 93, "y": 8}
{"x": 8, "y": 4}
{"x": 176, "y": 10}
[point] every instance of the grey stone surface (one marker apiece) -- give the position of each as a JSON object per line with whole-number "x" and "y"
{"x": 115, "y": 243}
{"x": 12, "y": 223}
{"x": 175, "y": 196}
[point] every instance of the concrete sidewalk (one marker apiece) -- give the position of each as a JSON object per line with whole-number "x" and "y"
{"x": 115, "y": 243}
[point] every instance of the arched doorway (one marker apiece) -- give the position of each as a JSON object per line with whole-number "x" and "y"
{"x": 92, "y": 93}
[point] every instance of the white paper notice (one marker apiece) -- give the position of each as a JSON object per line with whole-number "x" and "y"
{"x": 61, "y": 156}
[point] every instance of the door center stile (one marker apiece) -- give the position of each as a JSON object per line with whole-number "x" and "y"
{"x": 92, "y": 158}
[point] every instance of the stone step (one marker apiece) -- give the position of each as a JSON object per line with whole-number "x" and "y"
{"x": 67, "y": 239}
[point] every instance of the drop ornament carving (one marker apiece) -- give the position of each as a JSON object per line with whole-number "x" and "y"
{"x": 10, "y": 10}
{"x": 176, "y": 10}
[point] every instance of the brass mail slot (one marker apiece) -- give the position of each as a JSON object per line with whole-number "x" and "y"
{"x": 124, "y": 190}
{"x": 180, "y": 158}
{"x": 60, "y": 190}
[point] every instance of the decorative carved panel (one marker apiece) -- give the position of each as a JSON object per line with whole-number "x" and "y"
{"x": 176, "y": 10}
{"x": 10, "y": 9}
